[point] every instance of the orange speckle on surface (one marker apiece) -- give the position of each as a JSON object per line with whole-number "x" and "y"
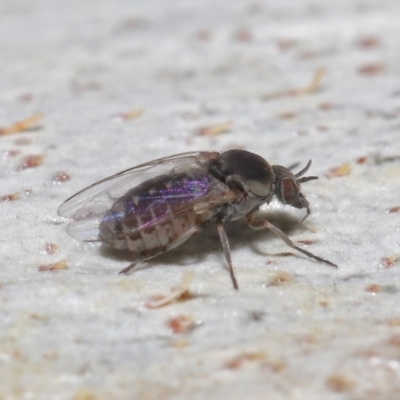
{"x": 361, "y": 160}
{"x": 238, "y": 361}
{"x": 31, "y": 161}
{"x": 394, "y": 209}
{"x": 20, "y": 126}
{"x": 287, "y": 115}
{"x": 179, "y": 343}
{"x": 311, "y": 87}
{"x": 132, "y": 114}
{"x": 324, "y": 303}
{"x": 374, "y": 288}
{"x": 176, "y": 294}
{"x": 280, "y": 278}
{"x": 63, "y": 264}
{"x": 340, "y": 383}
{"x": 10, "y": 197}
{"x": 394, "y": 322}
{"x": 181, "y": 323}
{"x": 215, "y": 129}
{"x": 86, "y": 394}
{"x": 388, "y": 262}
{"x": 342, "y": 170}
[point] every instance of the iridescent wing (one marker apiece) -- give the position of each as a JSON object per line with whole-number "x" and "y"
{"x": 87, "y": 207}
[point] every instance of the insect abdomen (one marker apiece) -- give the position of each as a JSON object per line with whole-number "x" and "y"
{"x": 152, "y": 216}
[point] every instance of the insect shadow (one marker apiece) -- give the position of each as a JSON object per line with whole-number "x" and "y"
{"x": 206, "y": 242}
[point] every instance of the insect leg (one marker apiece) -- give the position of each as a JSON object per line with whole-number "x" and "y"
{"x": 158, "y": 250}
{"x": 128, "y": 268}
{"x": 149, "y": 254}
{"x": 227, "y": 252}
{"x": 263, "y": 223}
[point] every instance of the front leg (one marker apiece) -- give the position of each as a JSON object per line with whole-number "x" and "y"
{"x": 263, "y": 223}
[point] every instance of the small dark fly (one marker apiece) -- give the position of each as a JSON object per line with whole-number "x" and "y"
{"x": 156, "y": 206}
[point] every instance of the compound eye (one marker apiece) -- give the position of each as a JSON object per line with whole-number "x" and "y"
{"x": 290, "y": 191}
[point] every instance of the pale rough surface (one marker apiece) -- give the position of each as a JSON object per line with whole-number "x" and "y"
{"x": 296, "y": 329}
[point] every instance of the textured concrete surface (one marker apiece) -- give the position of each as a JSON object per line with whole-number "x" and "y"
{"x": 119, "y": 83}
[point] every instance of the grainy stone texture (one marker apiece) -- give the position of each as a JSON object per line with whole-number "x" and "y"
{"x": 296, "y": 329}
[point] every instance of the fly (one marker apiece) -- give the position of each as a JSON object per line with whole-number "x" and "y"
{"x": 154, "y": 207}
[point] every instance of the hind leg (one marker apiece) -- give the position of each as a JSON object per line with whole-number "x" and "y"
{"x": 145, "y": 255}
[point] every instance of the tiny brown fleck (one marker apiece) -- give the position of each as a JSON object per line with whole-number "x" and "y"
{"x": 215, "y": 129}
{"x": 23, "y": 125}
{"x": 51, "y": 248}
{"x": 311, "y": 87}
{"x": 368, "y": 42}
{"x": 374, "y": 288}
{"x": 238, "y": 361}
{"x": 12, "y": 153}
{"x": 280, "y": 279}
{"x": 63, "y": 264}
{"x": 284, "y": 44}
{"x": 324, "y": 303}
{"x": 340, "y": 171}
{"x": 25, "y": 97}
{"x": 61, "y": 176}
{"x": 10, "y": 197}
{"x": 339, "y": 383}
{"x": 394, "y": 209}
{"x": 395, "y": 341}
{"x": 131, "y": 114}
{"x": 181, "y": 323}
{"x": 307, "y": 54}
{"x": 371, "y": 69}
{"x": 394, "y": 322}
{"x": 31, "y": 161}
{"x": 388, "y": 262}
{"x": 361, "y": 160}
{"x": 243, "y": 35}
{"x": 179, "y": 293}
{"x": 287, "y": 115}
{"x": 325, "y": 106}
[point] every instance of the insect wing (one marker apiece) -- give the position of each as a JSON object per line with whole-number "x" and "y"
{"x": 87, "y": 207}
